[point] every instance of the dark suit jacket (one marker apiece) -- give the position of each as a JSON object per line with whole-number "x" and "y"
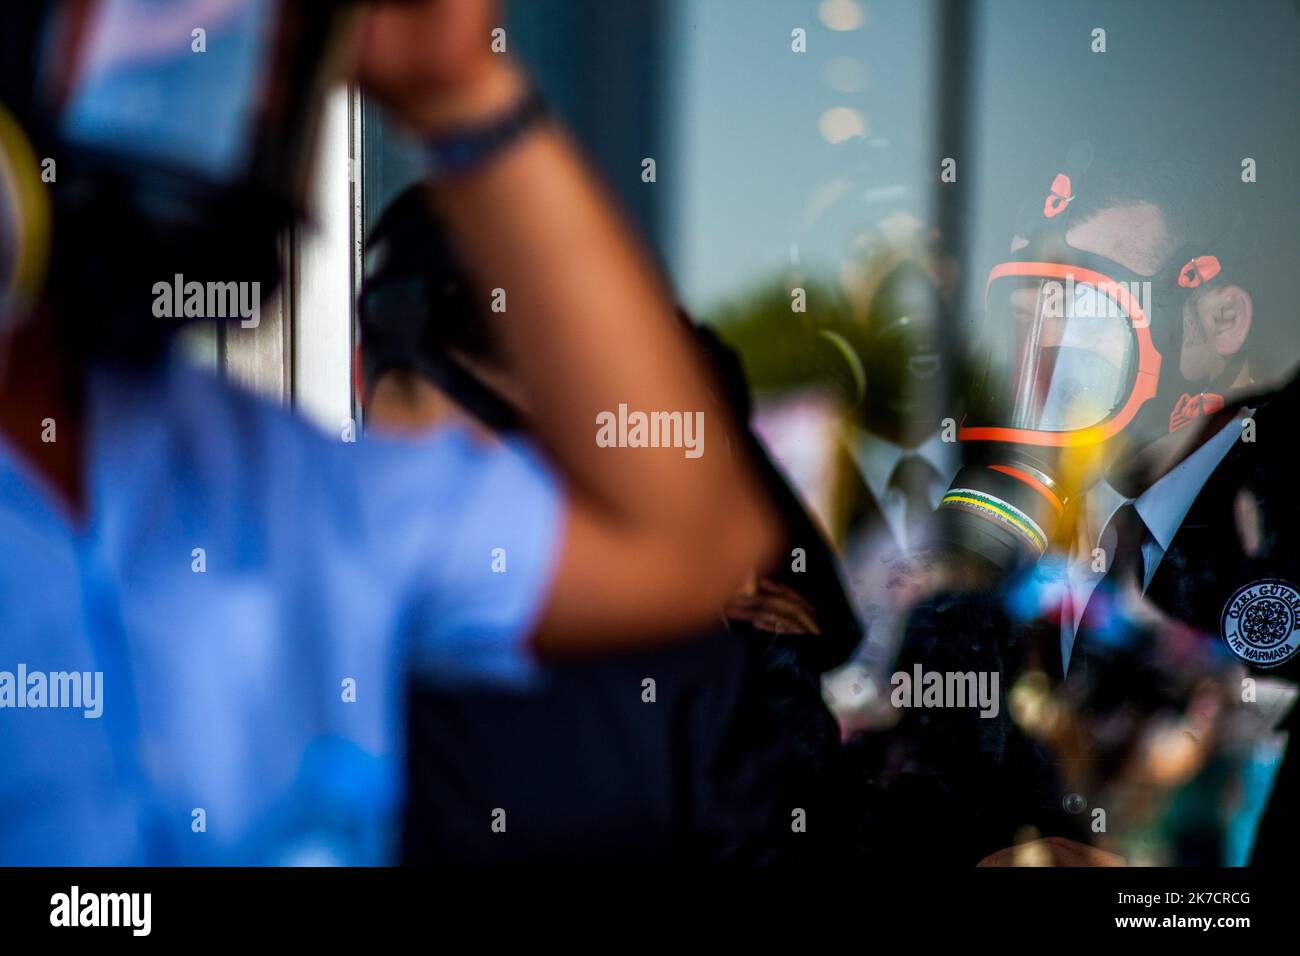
{"x": 1243, "y": 528}
{"x": 588, "y": 772}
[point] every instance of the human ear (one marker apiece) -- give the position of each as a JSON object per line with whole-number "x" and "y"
{"x": 1230, "y": 319}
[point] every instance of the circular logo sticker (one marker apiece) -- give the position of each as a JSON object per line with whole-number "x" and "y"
{"x": 1261, "y": 622}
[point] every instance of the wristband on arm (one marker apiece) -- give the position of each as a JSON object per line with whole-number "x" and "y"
{"x": 472, "y": 147}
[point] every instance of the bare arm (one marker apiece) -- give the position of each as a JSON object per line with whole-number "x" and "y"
{"x": 656, "y": 541}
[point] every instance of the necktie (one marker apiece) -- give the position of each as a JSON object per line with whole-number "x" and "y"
{"x": 1126, "y": 565}
{"x": 1124, "y": 575}
{"x": 912, "y": 478}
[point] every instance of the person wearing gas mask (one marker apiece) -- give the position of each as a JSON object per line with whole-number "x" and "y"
{"x": 1122, "y": 459}
{"x": 209, "y": 609}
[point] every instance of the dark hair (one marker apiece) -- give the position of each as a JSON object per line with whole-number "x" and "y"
{"x": 21, "y": 25}
{"x": 1192, "y": 200}
{"x": 417, "y": 300}
{"x": 1208, "y": 211}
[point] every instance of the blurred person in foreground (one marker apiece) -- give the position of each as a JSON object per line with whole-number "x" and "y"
{"x": 694, "y": 753}
{"x": 245, "y": 595}
{"x": 1119, "y": 551}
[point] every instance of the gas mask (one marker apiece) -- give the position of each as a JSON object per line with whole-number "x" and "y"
{"x": 1080, "y": 372}
{"x": 173, "y": 140}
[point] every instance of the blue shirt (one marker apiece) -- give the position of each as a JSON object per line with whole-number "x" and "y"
{"x": 253, "y": 594}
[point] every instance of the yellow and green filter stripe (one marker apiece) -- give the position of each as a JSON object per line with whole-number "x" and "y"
{"x": 995, "y": 509}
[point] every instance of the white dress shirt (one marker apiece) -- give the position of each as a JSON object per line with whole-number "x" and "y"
{"x": 877, "y": 458}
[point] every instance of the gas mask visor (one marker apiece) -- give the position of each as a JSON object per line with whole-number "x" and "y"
{"x": 225, "y": 93}
{"x": 1068, "y": 357}
{"x": 184, "y": 131}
